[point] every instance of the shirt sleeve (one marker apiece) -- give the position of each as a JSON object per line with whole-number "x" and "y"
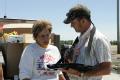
{"x": 103, "y": 50}
{"x": 58, "y": 58}
{"x": 26, "y": 64}
{"x": 57, "y": 54}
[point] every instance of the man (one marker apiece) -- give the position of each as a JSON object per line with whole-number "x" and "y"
{"x": 93, "y": 48}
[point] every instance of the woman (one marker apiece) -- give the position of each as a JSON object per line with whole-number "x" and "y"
{"x": 36, "y": 56}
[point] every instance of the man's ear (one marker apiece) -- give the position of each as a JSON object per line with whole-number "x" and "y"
{"x": 83, "y": 21}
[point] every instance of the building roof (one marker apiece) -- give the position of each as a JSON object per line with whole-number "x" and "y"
{"x": 18, "y": 25}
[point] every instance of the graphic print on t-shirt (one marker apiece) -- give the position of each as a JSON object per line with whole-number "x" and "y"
{"x": 42, "y": 62}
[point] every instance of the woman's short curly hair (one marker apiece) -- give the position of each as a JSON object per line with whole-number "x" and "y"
{"x": 39, "y": 26}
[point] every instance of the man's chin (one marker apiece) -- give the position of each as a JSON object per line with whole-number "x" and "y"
{"x": 76, "y": 30}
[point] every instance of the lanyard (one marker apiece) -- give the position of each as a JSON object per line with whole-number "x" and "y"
{"x": 92, "y": 32}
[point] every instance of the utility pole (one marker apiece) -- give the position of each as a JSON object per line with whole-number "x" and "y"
{"x": 118, "y": 29}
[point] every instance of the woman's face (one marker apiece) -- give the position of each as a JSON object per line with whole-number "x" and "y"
{"x": 43, "y": 38}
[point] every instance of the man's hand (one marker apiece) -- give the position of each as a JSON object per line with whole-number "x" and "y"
{"x": 72, "y": 71}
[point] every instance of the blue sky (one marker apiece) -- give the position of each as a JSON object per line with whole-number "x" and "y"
{"x": 103, "y": 14}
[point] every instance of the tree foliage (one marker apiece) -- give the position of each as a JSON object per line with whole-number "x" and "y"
{"x": 113, "y": 42}
{"x": 69, "y": 42}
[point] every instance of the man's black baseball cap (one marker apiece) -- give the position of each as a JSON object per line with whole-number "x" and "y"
{"x": 78, "y": 11}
